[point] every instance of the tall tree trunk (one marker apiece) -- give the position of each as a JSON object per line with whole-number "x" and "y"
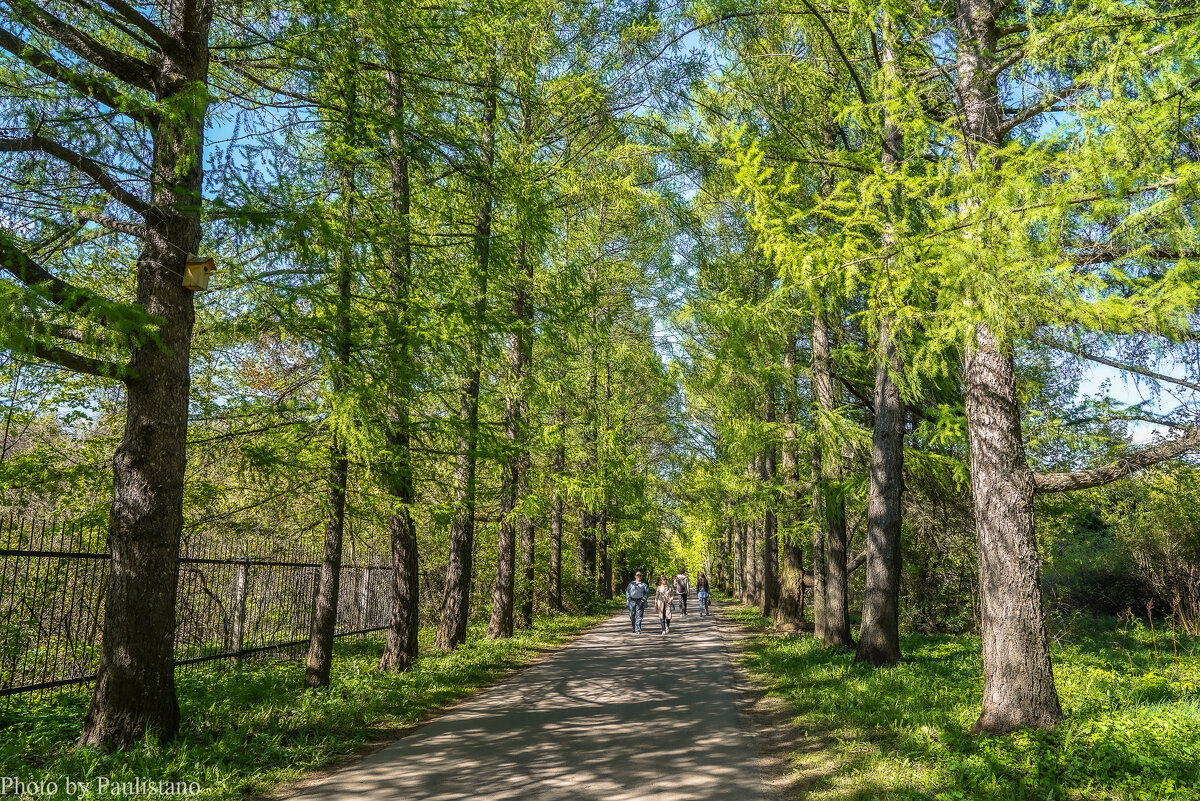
{"x": 135, "y": 681}
{"x": 456, "y": 602}
{"x": 585, "y": 549}
{"x": 525, "y": 535}
{"x": 401, "y": 648}
{"x": 1018, "y": 679}
{"x": 604, "y": 580}
{"x": 753, "y": 565}
{"x": 516, "y": 411}
{"x": 879, "y": 634}
{"x": 727, "y": 561}
{"x": 831, "y": 574}
{"x": 558, "y": 464}
{"x": 1018, "y": 688}
{"x": 790, "y": 611}
{"x": 739, "y": 561}
{"x": 319, "y": 661}
{"x": 769, "y": 588}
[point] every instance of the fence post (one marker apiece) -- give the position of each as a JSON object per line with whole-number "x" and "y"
{"x": 365, "y": 597}
{"x": 238, "y": 636}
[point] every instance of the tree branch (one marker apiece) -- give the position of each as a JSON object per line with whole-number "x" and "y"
{"x": 66, "y": 296}
{"x": 121, "y": 66}
{"x": 1108, "y": 253}
{"x": 84, "y": 84}
{"x": 88, "y": 166}
{"x": 139, "y": 21}
{"x": 1124, "y": 466}
{"x": 1131, "y": 368}
{"x": 74, "y": 362}
{"x": 111, "y": 223}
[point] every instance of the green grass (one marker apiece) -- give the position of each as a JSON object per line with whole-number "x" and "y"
{"x": 247, "y": 729}
{"x": 1132, "y": 726}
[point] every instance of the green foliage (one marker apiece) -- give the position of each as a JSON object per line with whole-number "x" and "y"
{"x": 1131, "y": 727}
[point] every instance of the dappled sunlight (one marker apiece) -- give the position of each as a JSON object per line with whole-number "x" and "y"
{"x": 614, "y": 715}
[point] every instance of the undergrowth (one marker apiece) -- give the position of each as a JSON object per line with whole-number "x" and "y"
{"x": 1131, "y": 728}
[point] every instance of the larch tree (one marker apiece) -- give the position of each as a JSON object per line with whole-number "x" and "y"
{"x": 115, "y": 102}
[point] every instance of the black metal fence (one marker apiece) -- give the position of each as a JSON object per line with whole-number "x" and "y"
{"x": 236, "y": 600}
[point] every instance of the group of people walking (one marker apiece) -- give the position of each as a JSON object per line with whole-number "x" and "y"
{"x": 637, "y": 594}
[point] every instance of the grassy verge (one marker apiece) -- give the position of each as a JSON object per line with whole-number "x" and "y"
{"x": 248, "y": 729}
{"x": 1131, "y": 699}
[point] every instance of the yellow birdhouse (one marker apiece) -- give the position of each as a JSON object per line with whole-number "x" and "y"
{"x": 195, "y": 276}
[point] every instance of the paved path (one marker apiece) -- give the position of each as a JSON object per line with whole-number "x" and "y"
{"x": 614, "y": 716}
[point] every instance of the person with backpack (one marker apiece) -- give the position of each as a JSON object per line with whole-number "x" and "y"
{"x": 681, "y": 589}
{"x": 702, "y": 594}
{"x": 635, "y": 595}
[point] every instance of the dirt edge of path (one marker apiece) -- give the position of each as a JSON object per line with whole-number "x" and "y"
{"x": 792, "y": 762}
{"x": 391, "y": 734}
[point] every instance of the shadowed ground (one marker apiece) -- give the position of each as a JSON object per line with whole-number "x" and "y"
{"x": 614, "y": 715}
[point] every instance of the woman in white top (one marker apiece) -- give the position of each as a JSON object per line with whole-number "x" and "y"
{"x": 663, "y": 595}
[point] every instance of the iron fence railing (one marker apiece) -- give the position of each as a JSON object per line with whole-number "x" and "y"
{"x": 235, "y": 601}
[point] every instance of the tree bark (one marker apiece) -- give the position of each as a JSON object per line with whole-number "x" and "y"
{"x": 879, "y": 633}
{"x": 558, "y": 465}
{"x": 319, "y": 662}
{"x": 456, "y": 602}
{"x": 604, "y": 565}
{"x": 790, "y": 611}
{"x": 401, "y": 647}
{"x": 769, "y": 587}
{"x": 832, "y": 574}
{"x": 739, "y": 561}
{"x": 1019, "y": 689}
{"x": 135, "y": 682}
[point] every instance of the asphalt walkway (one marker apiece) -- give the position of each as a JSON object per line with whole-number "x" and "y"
{"x": 614, "y": 715}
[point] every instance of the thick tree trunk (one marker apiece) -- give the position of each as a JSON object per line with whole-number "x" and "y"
{"x": 456, "y": 602}
{"x": 135, "y": 682}
{"x": 319, "y": 662}
{"x": 879, "y": 634}
{"x": 1018, "y": 679}
{"x": 401, "y": 647}
{"x": 1018, "y": 689}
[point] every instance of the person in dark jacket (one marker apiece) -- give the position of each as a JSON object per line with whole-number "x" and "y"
{"x": 635, "y": 596}
{"x": 681, "y": 589}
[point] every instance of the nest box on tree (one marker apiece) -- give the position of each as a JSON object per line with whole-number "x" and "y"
{"x": 195, "y": 276}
